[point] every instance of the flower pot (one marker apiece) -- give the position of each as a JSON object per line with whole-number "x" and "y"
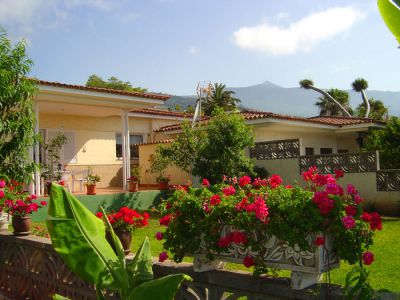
{"x": 163, "y": 185}
{"x": 21, "y": 225}
{"x": 124, "y": 236}
{"x": 133, "y": 186}
{"x": 4, "y": 221}
{"x": 48, "y": 187}
{"x": 91, "y": 189}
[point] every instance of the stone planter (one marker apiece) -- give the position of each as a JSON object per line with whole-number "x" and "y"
{"x": 307, "y": 266}
{"x": 4, "y": 221}
{"x": 21, "y": 225}
{"x": 124, "y": 236}
{"x": 91, "y": 189}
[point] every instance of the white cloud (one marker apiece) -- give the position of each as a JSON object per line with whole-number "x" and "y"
{"x": 193, "y": 50}
{"x": 300, "y": 36}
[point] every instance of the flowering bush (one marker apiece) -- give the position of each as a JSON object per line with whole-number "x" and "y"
{"x": 126, "y": 219}
{"x": 265, "y": 207}
{"x": 16, "y": 202}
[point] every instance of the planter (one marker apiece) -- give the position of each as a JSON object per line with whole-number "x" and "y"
{"x": 4, "y": 221}
{"x": 124, "y": 236}
{"x": 163, "y": 185}
{"x": 133, "y": 186}
{"x": 48, "y": 187}
{"x": 91, "y": 189}
{"x": 307, "y": 266}
{"x": 21, "y": 225}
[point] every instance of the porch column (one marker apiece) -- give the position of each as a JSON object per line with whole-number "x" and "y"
{"x": 124, "y": 187}
{"x": 128, "y": 146}
{"x": 32, "y": 183}
{"x": 38, "y": 190}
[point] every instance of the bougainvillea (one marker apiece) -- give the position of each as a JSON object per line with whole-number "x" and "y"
{"x": 265, "y": 207}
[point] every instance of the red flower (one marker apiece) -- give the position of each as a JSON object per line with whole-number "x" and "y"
{"x": 215, "y": 199}
{"x": 248, "y": 261}
{"x": 358, "y": 199}
{"x": 324, "y": 203}
{"x": 366, "y": 217}
{"x": 368, "y": 258}
{"x": 376, "y": 222}
{"x": 206, "y": 208}
{"x": 159, "y": 236}
{"x": 348, "y": 222}
{"x": 225, "y": 242}
{"x": 163, "y": 256}
{"x": 205, "y": 182}
{"x": 320, "y": 179}
{"x": 288, "y": 186}
{"x": 259, "y": 208}
{"x": 242, "y": 204}
{"x": 334, "y": 189}
{"x": 351, "y": 189}
{"x": 319, "y": 241}
{"x": 338, "y": 173}
{"x": 2, "y": 194}
{"x": 2, "y": 183}
{"x": 245, "y": 180}
{"x": 275, "y": 181}
{"x": 260, "y": 182}
{"x": 350, "y": 210}
{"x": 168, "y": 205}
{"x": 165, "y": 220}
{"x": 239, "y": 237}
{"x": 228, "y": 191}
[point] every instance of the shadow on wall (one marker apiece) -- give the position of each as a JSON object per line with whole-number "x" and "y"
{"x": 116, "y": 181}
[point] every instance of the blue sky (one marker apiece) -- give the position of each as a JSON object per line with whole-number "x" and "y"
{"x": 170, "y": 45}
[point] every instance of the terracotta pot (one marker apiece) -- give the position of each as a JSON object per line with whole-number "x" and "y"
{"x": 21, "y": 225}
{"x": 133, "y": 186}
{"x": 163, "y": 185}
{"x": 91, "y": 189}
{"x": 124, "y": 236}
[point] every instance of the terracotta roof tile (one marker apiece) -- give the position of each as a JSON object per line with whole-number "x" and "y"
{"x": 335, "y": 120}
{"x": 162, "y": 112}
{"x": 104, "y": 90}
{"x": 156, "y": 142}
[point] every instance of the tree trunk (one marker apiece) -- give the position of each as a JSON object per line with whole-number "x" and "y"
{"x": 366, "y": 102}
{"x": 332, "y": 99}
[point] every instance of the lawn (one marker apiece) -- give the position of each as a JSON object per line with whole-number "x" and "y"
{"x": 384, "y": 270}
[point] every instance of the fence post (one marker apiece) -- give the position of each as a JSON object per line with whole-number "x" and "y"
{"x": 378, "y": 165}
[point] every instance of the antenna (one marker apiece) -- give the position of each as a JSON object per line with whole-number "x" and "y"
{"x": 203, "y": 90}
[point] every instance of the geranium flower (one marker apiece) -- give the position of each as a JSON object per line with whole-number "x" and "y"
{"x": 206, "y": 208}
{"x": 159, "y": 236}
{"x": 376, "y": 222}
{"x": 2, "y": 183}
{"x": 350, "y": 210}
{"x": 319, "y": 241}
{"x": 348, "y": 222}
{"x": 2, "y": 194}
{"x": 165, "y": 220}
{"x": 205, "y": 182}
{"x": 334, "y": 189}
{"x": 245, "y": 180}
{"x": 275, "y": 181}
{"x": 44, "y": 203}
{"x": 242, "y": 204}
{"x": 99, "y": 214}
{"x": 351, "y": 189}
{"x": 368, "y": 258}
{"x": 239, "y": 237}
{"x": 259, "y": 208}
{"x": 163, "y": 256}
{"x": 228, "y": 191}
{"x": 248, "y": 261}
{"x": 320, "y": 180}
{"x": 258, "y": 182}
{"x": 225, "y": 242}
{"x": 338, "y": 173}
{"x": 358, "y": 199}
{"x": 215, "y": 199}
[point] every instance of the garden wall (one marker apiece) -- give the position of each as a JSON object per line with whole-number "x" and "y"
{"x": 30, "y": 269}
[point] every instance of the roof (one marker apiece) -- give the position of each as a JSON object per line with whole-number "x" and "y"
{"x": 103, "y": 90}
{"x": 156, "y": 142}
{"x": 323, "y": 120}
{"x": 160, "y": 112}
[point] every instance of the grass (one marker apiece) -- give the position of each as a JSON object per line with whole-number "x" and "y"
{"x": 384, "y": 270}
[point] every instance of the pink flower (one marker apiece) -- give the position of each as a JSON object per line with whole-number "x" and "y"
{"x": 334, "y": 189}
{"x": 215, "y": 199}
{"x": 248, "y": 261}
{"x": 350, "y": 210}
{"x": 224, "y": 178}
{"x": 163, "y": 256}
{"x": 348, "y": 222}
{"x": 376, "y": 222}
{"x": 358, "y": 199}
{"x": 34, "y": 197}
{"x": 159, "y": 236}
{"x": 320, "y": 179}
{"x": 206, "y": 208}
{"x": 324, "y": 203}
{"x": 309, "y": 175}
{"x": 351, "y": 189}
{"x": 2, "y": 183}
{"x": 228, "y": 191}
{"x": 43, "y": 203}
{"x": 2, "y": 194}
{"x": 260, "y": 182}
{"x": 339, "y": 173}
{"x": 205, "y": 182}
{"x": 330, "y": 179}
{"x": 259, "y": 208}
{"x": 288, "y": 186}
{"x": 245, "y": 180}
{"x": 275, "y": 181}
{"x": 165, "y": 220}
{"x": 225, "y": 242}
{"x": 368, "y": 258}
{"x": 239, "y": 237}
{"x": 366, "y": 217}
{"x": 242, "y": 204}
{"x": 319, "y": 241}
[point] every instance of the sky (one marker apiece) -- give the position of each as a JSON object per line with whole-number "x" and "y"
{"x": 169, "y": 46}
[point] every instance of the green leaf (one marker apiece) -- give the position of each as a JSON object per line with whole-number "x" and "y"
{"x": 163, "y": 288}
{"x": 140, "y": 269}
{"x": 78, "y": 237}
{"x": 99, "y": 293}
{"x": 59, "y": 297}
{"x": 390, "y": 12}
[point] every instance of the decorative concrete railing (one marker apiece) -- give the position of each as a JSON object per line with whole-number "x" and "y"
{"x": 276, "y": 150}
{"x": 388, "y": 180}
{"x": 30, "y": 269}
{"x": 358, "y": 162}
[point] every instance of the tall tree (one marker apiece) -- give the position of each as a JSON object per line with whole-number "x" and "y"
{"x": 17, "y": 119}
{"x": 378, "y": 110}
{"x": 309, "y": 84}
{"x": 360, "y": 85}
{"x": 329, "y": 108}
{"x": 113, "y": 83}
{"x": 220, "y": 97}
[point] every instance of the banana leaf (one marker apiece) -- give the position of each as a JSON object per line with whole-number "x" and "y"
{"x": 59, "y": 297}
{"x": 140, "y": 269}
{"x": 390, "y": 12}
{"x": 78, "y": 236}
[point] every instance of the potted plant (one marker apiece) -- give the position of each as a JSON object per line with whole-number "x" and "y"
{"x": 163, "y": 181}
{"x": 262, "y": 223}
{"x": 124, "y": 222}
{"x": 133, "y": 180}
{"x": 90, "y": 183}
{"x": 19, "y": 205}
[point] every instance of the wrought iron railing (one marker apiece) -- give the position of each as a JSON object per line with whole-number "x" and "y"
{"x": 276, "y": 150}
{"x": 358, "y": 162}
{"x": 388, "y": 180}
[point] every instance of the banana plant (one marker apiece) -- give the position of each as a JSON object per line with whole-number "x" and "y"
{"x": 390, "y": 12}
{"x": 78, "y": 236}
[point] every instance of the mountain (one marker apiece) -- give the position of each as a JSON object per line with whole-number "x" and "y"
{"x": 268, "y": 96}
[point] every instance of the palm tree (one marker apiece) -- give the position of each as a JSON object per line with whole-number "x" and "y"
{"x": 360, "y": 85}
{"x": 378, "y": 110}
{"x": 219, "y": 97}
{"x": 309, "y": 84}
{"x": 329, "y": 108}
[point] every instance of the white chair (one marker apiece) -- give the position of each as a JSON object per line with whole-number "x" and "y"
{"x": 80, "y": 177}
{"x": 65, "y": 176}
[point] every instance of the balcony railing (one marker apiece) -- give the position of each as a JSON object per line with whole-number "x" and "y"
{"x": 276, "y": 150}
{"x": 388, "y": 180}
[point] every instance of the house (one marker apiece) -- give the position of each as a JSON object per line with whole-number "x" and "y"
{"x": 102, "y": 127}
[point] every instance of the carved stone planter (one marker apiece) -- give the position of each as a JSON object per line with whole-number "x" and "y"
{"x": 4, "y": 221}
{"x": 307, "y": 266}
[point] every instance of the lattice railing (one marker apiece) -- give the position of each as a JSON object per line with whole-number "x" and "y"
{"x": 30, "y": 269}
{"x": 388, "y": 180}
{"x": 348, "y": 162}
{"x": 276, "y": 150}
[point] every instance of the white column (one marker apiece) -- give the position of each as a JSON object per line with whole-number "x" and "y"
{"x": 127, "y": 145}
{"x": 36, "y": 153}
{"x": 31, "y": 184}
{"x": 123, "y": 151}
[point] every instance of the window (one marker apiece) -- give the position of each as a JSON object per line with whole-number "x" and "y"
{"x": 326, "y": 151}
{"x": 309, "y": 151}
{"x": 343, "y": 151}
{"x": 133, "y": 139}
